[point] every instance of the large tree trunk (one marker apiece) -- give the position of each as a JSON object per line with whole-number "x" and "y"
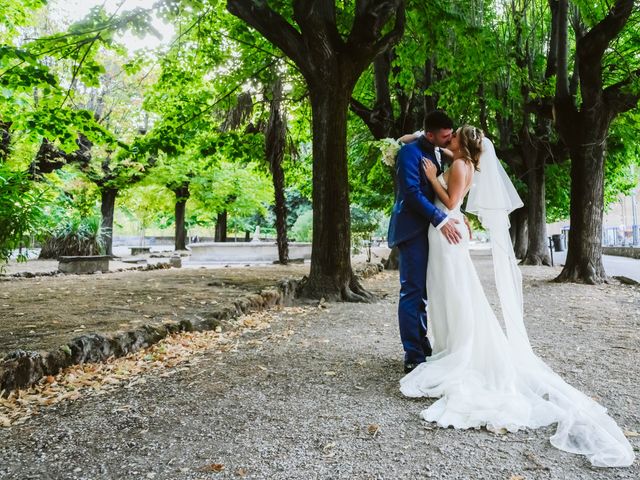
{"x": 107, "y": 207}
{"x": 537, "y": 252}
{"x": 180, "y": 237}
{"x": 221, "y": 227}
{"x": 331, "y": 275}
{"x": 584, "y": 256}
{"x": 275, "y": 146}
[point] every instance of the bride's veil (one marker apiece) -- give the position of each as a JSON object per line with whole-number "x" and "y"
{"x": 583, "y": 425}
{"x": 492, "y": 198}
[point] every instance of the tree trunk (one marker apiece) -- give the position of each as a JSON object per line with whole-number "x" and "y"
{"x": 519, "y": 232}
{"x": 5, "y": 140}
{"x": 180, "y": 237}
{"x": 537, "y": 252}
{"x": 331, "y": 275}
{"x": 107, "y": 207}
{"x": 281, "y": 214}
{"x": 584, "y": 256}
{"x": 221, "y": 227}
{"x": 275, "y": 146}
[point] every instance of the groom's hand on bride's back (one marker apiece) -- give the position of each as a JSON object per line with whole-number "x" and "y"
{"x": 450, "y": 231}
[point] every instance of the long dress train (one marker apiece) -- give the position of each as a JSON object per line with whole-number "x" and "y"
{"x": 483, "y": 378}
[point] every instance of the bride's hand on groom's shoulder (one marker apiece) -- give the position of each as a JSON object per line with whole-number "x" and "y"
{"x": 430, "y": 169}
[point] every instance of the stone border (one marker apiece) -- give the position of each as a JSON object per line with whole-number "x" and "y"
{"x": 630, "y": 252}
{"x": 22, "y": 369}
{"x": 153, "y": 266}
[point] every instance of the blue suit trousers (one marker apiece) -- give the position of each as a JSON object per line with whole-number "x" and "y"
{"x": 412, "y": 315}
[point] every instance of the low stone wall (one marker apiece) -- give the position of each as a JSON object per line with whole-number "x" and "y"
{"x": 21, "y": 369}
{"x": 631, "y": 252}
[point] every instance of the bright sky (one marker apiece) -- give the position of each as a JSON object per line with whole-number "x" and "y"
{"x": 73, "y": 10}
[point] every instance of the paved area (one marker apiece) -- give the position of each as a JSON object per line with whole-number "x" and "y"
{"x": 613, "y": 265}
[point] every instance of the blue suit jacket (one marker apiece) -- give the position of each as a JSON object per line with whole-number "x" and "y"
{"x": 413, "y": 209}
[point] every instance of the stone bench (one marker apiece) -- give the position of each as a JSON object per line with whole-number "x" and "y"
{"x": 139, "y": 250}
{"x": 84, "y": 264}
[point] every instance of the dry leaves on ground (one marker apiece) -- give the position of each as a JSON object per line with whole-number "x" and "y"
{"x": 172, "y": 354}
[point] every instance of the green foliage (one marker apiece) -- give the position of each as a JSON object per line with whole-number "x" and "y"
{"x": 302, "y": 230}
{"x": 21, "y": 214}
{"x": 148, "y": 205}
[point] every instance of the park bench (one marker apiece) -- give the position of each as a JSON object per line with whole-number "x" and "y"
{"x": 84, "y": 264}
{"x": 139, "y": 250}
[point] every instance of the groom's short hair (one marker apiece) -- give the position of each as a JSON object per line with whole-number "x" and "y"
{"x": 437, "y": 120}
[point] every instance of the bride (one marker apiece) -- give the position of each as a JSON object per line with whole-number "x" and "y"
{"x": 485, "y": 376}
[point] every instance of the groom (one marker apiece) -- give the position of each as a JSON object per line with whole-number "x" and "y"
{"x": 412, "y": 213}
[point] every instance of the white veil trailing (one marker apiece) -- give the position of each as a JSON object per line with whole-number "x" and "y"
{"x": 492, "y": 198}
{"x": 583, "y": 425}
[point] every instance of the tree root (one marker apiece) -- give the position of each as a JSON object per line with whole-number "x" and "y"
{"x": 536, "y": 259}
{"x": 333, "y": 292}
{"x": 581, "y": 274}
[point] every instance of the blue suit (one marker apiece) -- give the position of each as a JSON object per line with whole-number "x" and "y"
{"x": 412, "y": 213}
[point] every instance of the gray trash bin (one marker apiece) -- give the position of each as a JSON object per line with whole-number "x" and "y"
{"x": 557, "y": 243}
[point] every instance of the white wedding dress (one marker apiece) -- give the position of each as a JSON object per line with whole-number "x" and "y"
{"x": 485, "y": 376}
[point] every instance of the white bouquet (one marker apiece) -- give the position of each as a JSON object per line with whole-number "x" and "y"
{"x": 389, "y": 148}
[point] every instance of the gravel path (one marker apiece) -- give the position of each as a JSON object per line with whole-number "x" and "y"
{"x": 316, "y": 396}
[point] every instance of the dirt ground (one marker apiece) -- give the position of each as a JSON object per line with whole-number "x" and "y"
{"x": 43, "y": 313}
{"x": 313, "y": 392}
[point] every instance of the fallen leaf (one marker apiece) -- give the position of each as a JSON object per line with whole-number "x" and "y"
{"x": 373, "y": 429}
{"x": 214, "y": 467}
{"x": 241, "y": 472}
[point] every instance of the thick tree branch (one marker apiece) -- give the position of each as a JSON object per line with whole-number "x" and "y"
{"x": 273, "y": 26}
{"x": 562, "y": 81}
{"x": 595, "y": 41}
{"x": 618, "y": 96}
{"x": 371, "y": 18}
{"x": 317, "y": 20}
{"x": 591, "y": 47}
{"x": 552, "y": 58}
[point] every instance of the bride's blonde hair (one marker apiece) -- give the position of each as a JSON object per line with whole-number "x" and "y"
{"x": 470, "y": 138}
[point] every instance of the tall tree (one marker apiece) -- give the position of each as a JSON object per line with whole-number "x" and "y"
{"x": 331, "y": 64}
{"x": 583, "y": 124}
{"x": 275, "y": 143}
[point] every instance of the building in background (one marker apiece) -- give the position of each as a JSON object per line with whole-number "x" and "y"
{"x": 620, "y": 226}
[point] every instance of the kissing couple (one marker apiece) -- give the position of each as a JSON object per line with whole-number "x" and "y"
{"x": 483, "y": 374}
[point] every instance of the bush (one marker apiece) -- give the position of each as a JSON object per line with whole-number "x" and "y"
{"x": 302, "y": 230}
{"x": 74, "y": 236}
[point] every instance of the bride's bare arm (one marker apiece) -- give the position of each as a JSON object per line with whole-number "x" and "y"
{"x": 456, "y": 182}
